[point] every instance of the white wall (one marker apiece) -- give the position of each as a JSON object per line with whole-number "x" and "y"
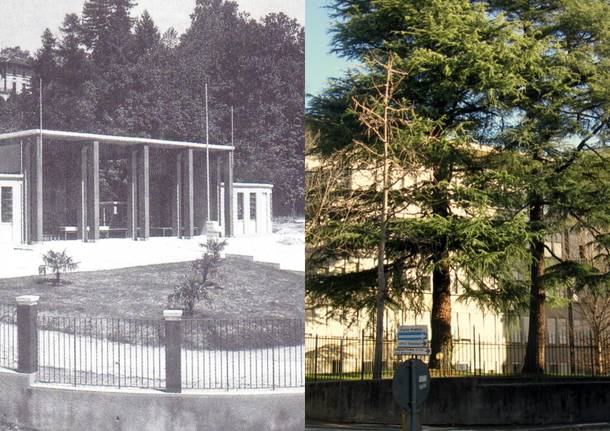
{"x": 246, "y": 226}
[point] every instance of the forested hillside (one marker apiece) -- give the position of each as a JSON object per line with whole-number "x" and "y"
{"x": 109, "y": 72}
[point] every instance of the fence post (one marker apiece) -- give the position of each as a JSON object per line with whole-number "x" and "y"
{"x": 27, "y": 333}
{"x": 362, "y": 356}
{"x": 341, "y": 359}
{"x": 315, "y": 361}
{"x": 173, "y": 350}
{"x": 474, "y": 352}
{"x": 592, "y": 350}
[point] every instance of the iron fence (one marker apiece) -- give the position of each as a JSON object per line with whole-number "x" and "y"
{"x": 222, "y": 354}
{"x": 101, "y": 351}
{"x": 8, "y": 336}
{"x": 339, "y": 358}
{"x": 131, "y": 353}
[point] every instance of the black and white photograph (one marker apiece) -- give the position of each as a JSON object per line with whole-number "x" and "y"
{"x": 152, "y": 231}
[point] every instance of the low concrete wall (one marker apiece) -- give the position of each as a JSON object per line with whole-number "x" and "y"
{"x": 467, "y": 401}
{"x": 45, "y": 407}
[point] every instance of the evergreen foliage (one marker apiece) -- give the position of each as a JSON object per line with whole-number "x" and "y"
{"x": 473, "y": 73}
{"x": 107, "y": 72}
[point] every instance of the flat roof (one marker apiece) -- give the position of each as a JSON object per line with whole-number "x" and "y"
{"x": 109, "y": 139}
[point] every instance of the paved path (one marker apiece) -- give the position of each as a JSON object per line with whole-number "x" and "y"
{"x": 285, "y": 247}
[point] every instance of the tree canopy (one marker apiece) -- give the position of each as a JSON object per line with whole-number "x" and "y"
{"x": 510, "y": 100}
{"x": 108, "y": 72}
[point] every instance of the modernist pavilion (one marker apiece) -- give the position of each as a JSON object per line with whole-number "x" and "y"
{"x": 50, "y": 189}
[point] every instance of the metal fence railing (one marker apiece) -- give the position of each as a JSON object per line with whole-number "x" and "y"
{"x": 242, "y": 354}
{"x": 131, "y": 353}
{"x": 101, "y": 351}
{"x": 8, "y": 336}
{"x": 339, "y": 358}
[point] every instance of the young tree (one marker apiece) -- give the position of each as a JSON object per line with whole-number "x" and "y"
{"x": 59, "y": 263}
{"x": 202, "y": 275}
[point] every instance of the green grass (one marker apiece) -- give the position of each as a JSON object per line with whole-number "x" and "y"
{"x": 250, "y": 290}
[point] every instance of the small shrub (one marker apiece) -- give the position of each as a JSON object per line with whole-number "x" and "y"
{"x": 59, "y": 263}
{"x": 202, "y": 275}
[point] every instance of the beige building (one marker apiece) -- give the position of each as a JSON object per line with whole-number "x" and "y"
{"x": 502, "y": 336}
{"x": 15, "y": 77}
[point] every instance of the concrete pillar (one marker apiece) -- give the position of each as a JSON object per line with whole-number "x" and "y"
{"x": 228, "y": 194}
{"x": 27, "y": 197}
{"x": 27, "y": 333}
{"x": 177, "y": 195}
{"x": 144, "y": 192}
{"x": 83, "y": 217}
{"x": 200, "y": 194}
{"x": 132, "y": 194}
{"x": 93, "y": 190}
{"x": 173, "y": 350}
{"x": 187, "y": 193}
{"x": 36, "y": 185}
{"x": 217, "y": 200}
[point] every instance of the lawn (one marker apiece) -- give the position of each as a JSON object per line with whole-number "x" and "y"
{"x": 249, "y": 290}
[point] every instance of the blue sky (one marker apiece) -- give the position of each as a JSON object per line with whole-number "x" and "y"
{"x": 320, "y": 64}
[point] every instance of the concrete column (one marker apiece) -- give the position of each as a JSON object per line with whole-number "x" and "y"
{"x": 83, "y": 217}
{"x": 217, "y": 200}
{"x": 187, "y": 193}
{"x": 228, "y": 194}
{"x": 37, "y": 184}
{"x": 93, "y": 190}
{"x": 144, "y": 192}
{"x": 132, "y": 194}
{"x": 200, "y": 193}
{"x": 27, "y": 333}
{"x": 27, "y": 198}
{"x": 177, "y": 194}
{"x": 173, "y": 350}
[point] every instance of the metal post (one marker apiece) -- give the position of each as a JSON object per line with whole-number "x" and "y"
{"x": 315, "y": 361}
{"x": 474, "y": 352}
{"x": 362, "y": 356}
{"x": 413, "y": 412}
{"x": 591, "y": 349}
{"x": 341, "y": 358}
{"x": 480, "y": 357}
{"x": 173, "y": 350}
{"x": 27, "y": 333}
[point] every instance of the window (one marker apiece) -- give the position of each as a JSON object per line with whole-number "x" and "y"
{"x": 426, "y": 284}
{"x": 240, "y": 206}
{"x": 6, "y": 195}
{"x": 252, "y": 206}
{"x": 551, "y": 331}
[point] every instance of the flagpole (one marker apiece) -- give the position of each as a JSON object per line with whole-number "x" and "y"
{"x": 207, "y": 153}
{"x": 40, "y": 109}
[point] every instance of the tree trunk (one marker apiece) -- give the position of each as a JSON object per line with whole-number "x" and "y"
{"x": 440, "y": 319}
{"x": 534, "y": 353}
{"x": 570, "y": 294}
{"x": 599, "y": 358}
{"x": 383, "y": 224}
{"x": 57, "y": 277}
{"x": 379, "y": 313}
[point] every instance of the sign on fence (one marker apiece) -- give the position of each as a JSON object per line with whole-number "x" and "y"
{"x": 412, "y": 340}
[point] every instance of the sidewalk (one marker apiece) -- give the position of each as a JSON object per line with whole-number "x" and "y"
{"x": 371, "y": 427}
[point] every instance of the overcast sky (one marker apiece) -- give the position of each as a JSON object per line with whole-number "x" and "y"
{"x": 23, "y": 21}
